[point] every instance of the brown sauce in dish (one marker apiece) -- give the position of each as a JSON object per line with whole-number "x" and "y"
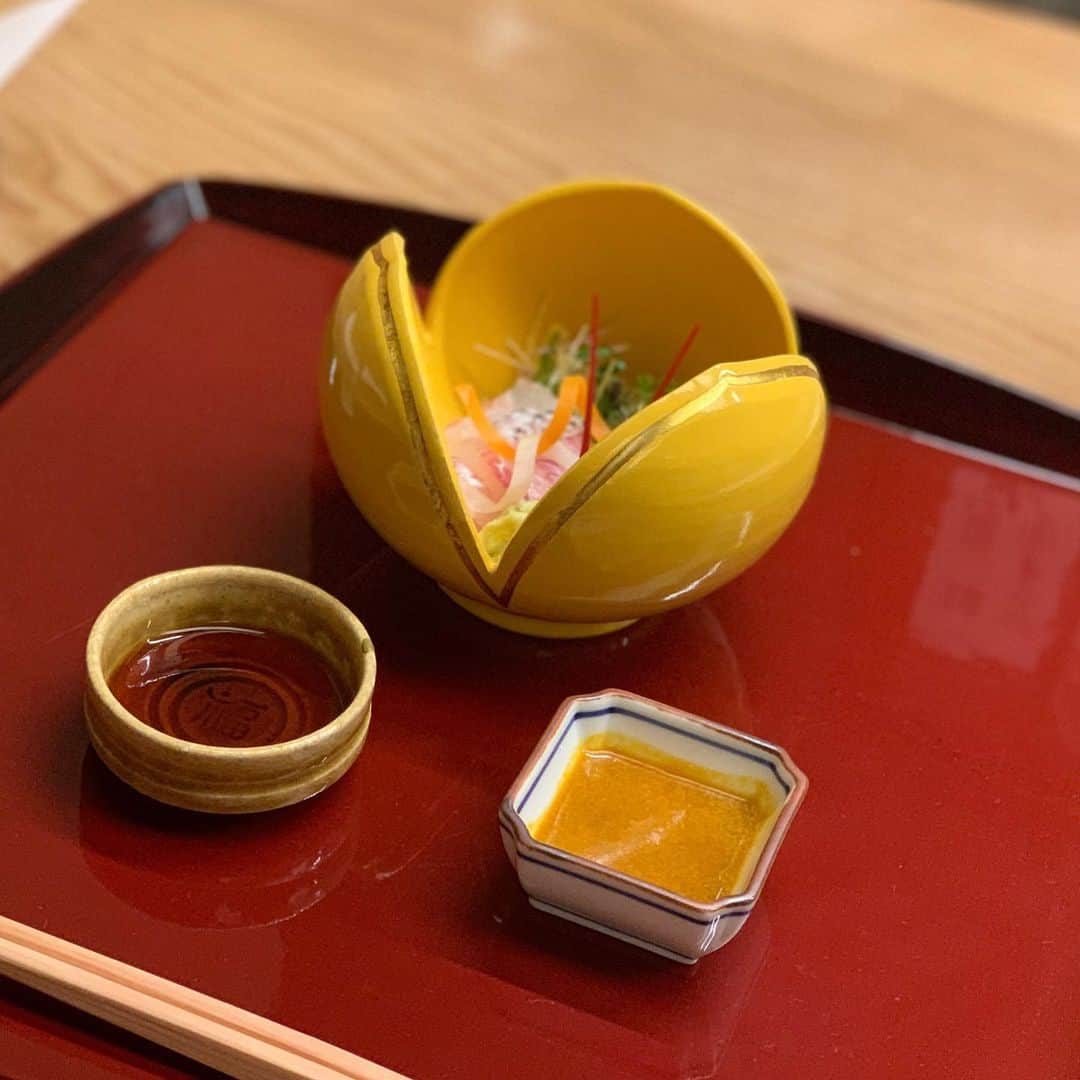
{"x": 228, "y": 686}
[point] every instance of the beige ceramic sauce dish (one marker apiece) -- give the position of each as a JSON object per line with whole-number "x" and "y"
{"x": 228, "y": 779}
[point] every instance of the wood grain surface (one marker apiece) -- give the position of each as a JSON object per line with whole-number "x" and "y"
{"x": 907, "y": 168}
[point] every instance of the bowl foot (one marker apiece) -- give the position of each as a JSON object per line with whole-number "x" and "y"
{"x": 525, "y": 624}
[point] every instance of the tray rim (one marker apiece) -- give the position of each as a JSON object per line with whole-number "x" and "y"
{"x": 171, "y": 217}
{"x": 46, "y": 303}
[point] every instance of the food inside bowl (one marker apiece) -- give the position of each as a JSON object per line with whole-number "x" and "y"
{"x": 571, "y": 391}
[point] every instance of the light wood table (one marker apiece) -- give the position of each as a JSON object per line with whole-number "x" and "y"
{"x": 908, "y": 168}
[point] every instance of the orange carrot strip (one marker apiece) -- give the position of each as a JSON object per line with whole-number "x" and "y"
{"x": 470, "y": 399}
{"x": 573, "y": 394}
{"x": 599, "y": 428}
{"x": 594, "y": 333}
{"x": 571, "y": 391}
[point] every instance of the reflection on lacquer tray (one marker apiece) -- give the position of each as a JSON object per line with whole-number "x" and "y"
{"x": 202, "y": 870}
{"x": 997, "y": 575}
{"x": 439, "y": 860}
{"x": 426, "y": 646}
{"x": 635, "y": 983}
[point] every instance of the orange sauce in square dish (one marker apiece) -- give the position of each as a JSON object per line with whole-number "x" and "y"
{"x": 657, "y": 818}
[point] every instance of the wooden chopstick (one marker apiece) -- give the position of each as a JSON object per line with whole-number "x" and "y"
{"x": 235, "y": 1041}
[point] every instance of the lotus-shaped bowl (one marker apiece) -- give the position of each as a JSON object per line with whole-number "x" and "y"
{"x": 674, "y": 502}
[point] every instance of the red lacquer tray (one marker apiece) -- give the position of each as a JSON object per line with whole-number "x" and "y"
{"x": 913, "y": 641}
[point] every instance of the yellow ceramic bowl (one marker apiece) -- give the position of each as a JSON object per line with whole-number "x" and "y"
{"x": 676, "y": 501}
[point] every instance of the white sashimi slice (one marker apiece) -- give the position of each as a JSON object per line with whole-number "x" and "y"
{"x": 544, "y": 475}
{"x": 483, "y": 508}
{"x": 556, "y": 460}
{"x": 525, "y": 395}
{"x": 490, "y": 484}
{"x": 566, "y": 451}
{"x": 476, "y": 464}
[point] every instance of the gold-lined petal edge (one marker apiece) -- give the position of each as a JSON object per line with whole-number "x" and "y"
{"x": 412, "y": 419}
{"x": 619, "y": 459}
{"x": 630, "y": 450}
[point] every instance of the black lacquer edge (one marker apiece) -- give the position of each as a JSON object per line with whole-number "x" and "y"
{"x": 914, "y": 390}
{"x": 861, "y": 372}
{"x": 46, "y": 303}
{"x": 335, "y": 223}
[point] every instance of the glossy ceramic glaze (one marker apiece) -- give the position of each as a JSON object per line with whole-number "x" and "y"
{"x": 913, "y": 641}
{"x": 227, "y": 779}
{"x": 678, "y": 500}
{"x": 618, "y": 904}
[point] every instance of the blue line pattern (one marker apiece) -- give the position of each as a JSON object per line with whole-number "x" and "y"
{"x": 621, "y": 892}
{"x": 607, "y": 710}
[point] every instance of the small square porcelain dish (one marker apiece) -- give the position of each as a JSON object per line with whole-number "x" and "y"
{"x": 647, "y": 823}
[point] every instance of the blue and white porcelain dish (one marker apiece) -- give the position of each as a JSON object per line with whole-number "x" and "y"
{"x": 615, "y": 903}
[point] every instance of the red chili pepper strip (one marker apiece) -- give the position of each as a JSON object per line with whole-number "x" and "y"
{"x": 571, "y": 390}
{"x": 684, "y": 348}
